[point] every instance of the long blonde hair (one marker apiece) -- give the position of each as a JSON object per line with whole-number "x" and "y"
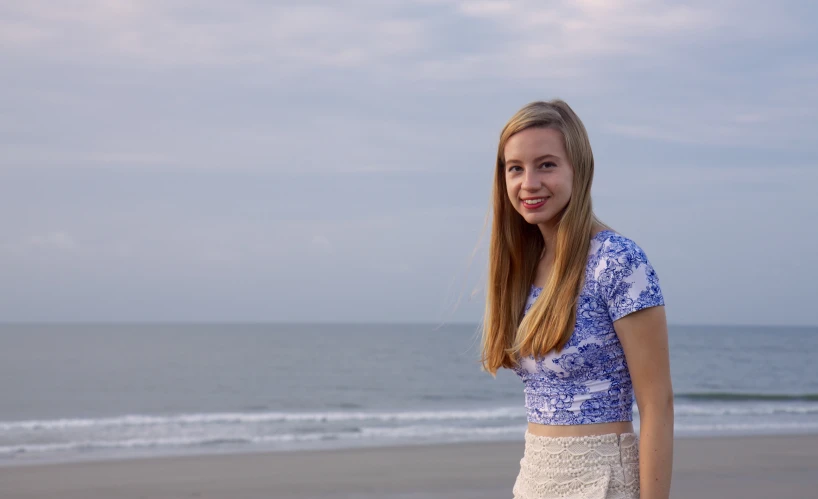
{"x": 516, "y": 246}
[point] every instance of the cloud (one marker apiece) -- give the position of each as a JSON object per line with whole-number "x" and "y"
{"x": 289, "y": 40}
{"x": 548, "y": 40}
{"x": 53, "y": 241}
{"x": 322, "y": 245}
{"x": 57, "y": 240}
{"x": 184, "y": 32}
{"x": 364, "y": 86}
{"x": 724, "y": 124}
{"x": 138, "y": 158}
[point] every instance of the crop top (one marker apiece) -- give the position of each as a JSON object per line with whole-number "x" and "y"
{"x": 589, "y": 381}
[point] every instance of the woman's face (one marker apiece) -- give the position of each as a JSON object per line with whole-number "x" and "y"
{"x": 538, "y": 174}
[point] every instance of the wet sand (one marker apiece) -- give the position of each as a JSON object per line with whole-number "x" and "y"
{"x": 779, "y": 467}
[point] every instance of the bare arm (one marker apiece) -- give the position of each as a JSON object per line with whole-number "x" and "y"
{"x": 643, "y": 335}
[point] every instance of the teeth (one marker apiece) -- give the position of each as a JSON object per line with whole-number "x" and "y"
{"x": 533, "y": 201}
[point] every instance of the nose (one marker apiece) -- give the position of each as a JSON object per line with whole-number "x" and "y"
{"x": 531, "y": 181}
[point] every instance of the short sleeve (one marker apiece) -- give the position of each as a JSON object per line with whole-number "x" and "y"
{"x": 628, "y": 281}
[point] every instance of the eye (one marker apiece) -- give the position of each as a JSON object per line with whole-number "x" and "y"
{"x": 549, "y": 164}
{"x": 512, "y": 167}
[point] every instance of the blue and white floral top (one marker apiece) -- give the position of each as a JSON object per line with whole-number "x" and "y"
{"x": 588, "y": 381}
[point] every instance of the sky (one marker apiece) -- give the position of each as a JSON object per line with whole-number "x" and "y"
{"x": 324, "y": 161}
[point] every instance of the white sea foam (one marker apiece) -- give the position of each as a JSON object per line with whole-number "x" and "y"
{"x": 296, "y": 429}
{"x": 373, "y": 433}
{"x": 268, "y": 417}
{"x": 410, "y": 433}
{"x": 743, "y": 409}
{"x": 681, "y": 410}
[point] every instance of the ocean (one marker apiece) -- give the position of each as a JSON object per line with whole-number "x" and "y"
{"x": 106, "y": 391}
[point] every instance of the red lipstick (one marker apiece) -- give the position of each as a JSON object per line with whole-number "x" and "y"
{"x": 534, "y": 206}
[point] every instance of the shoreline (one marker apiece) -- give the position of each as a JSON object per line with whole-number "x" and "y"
{"x": 101, "y": 457}
{"x": 782, "y": 466}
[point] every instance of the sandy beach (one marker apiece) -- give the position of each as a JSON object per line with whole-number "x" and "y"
{"x": 730, "y": 467}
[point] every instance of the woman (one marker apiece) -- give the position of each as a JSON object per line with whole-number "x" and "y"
{"x": 575, "y": 309}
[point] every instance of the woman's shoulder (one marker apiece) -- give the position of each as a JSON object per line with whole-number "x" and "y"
{"x": 627, "y": 280}
{"x": 620, "y": 248}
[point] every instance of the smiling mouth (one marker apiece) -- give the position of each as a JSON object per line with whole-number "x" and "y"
{"x": 533, "y": 203}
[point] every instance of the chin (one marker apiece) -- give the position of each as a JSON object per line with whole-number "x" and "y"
{"x": 537, "y": 219}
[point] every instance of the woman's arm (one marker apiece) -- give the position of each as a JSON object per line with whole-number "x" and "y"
{"x": 643, "y": 335}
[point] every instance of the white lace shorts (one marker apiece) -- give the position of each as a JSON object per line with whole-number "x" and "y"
{"x": 590, "y": 467}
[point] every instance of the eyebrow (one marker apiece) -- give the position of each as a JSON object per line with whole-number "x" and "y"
{"x": 537, "y": 159}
